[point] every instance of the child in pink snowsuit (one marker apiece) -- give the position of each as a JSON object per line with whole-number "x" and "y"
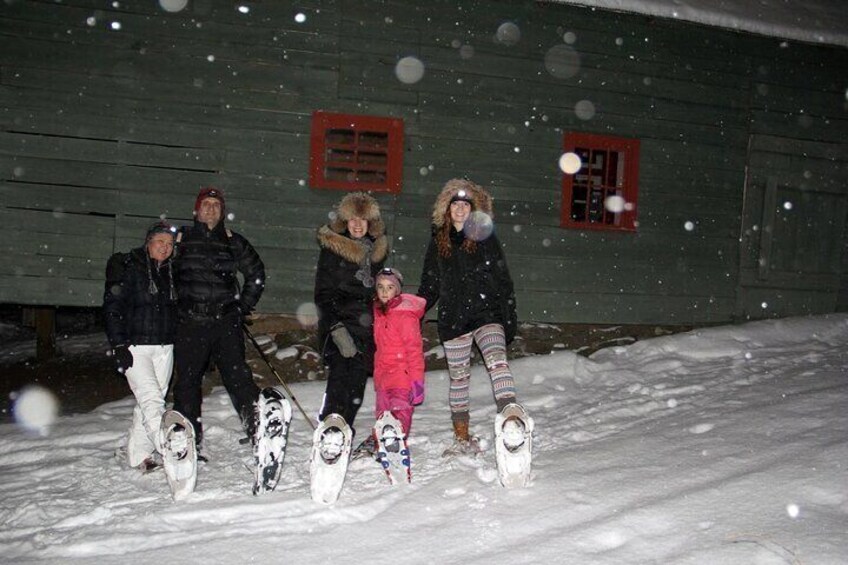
{"x": 399, "y": 360}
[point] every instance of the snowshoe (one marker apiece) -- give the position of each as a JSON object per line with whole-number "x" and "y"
{"x": 273, "y": 419}
{"x": 514, "y": 445}
{"x": 392, "y": 449}
{"x": 329, "y": 459}
{"x": 179, "y": 454}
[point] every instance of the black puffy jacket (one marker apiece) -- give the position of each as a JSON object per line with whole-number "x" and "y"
{"x": 134, "y": 315}
{"x": 340, "y": 295}
{"x": 206, "y": 267}
{"x": 472, "y": 289}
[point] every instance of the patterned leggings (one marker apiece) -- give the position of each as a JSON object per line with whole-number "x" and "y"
{"x": 492, "y": 343}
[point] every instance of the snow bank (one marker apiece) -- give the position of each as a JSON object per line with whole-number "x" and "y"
{"x": 718, "y": 446}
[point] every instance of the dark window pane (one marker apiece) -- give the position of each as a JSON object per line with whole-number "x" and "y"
{"x": 340, "y": 136}
{"x": 340, "y": 155}
{"x": 373, "y": 140}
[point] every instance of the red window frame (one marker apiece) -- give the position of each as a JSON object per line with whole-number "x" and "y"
{"x": 350, "y": 152}
{"x": 609, "y": 166}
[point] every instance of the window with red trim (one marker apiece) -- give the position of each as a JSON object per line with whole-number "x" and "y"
{"x": 351, "y": 152}
{"x": 600, "y": 192}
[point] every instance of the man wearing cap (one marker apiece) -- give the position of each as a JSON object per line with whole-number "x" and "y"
{"x": 212, "y": 307}
{"x": 139, "y": 304}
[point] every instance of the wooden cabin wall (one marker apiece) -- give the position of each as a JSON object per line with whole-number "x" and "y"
{"x": 113, "y": 115}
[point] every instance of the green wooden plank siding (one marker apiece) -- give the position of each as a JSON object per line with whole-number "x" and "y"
{"x": 793, "y": 242}
{"x": 103, "y": 131}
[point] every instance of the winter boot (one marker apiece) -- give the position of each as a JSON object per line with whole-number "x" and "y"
{"x": 178, "y": 442}
{"x": 502, "y": 403}
{"x": 332, "y": 443}
{"x": 460, "y": 430}
{"x": 464, "y": 443}
{"x": 202, "y": 454}
{"x": 513, "y": 433}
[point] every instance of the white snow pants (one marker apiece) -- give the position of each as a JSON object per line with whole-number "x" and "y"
{"x": 148, "y": 378}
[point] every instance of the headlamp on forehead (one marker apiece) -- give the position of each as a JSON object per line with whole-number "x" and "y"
{"x": 160, "y": 227}
{"x": 462, "y": 196}
{"x": 209, "y": 192}
{"x": 391, "y": 274}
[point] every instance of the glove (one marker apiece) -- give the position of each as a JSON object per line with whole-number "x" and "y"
{"x": 249, "y": 318}
{"x": 123, "y": 358}
{"x": 343, "y": 340}
{"x": 417, "y": 392}
{"x": 247, "y": 315}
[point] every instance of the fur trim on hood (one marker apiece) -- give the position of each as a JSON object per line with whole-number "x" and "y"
{"x": 359, "y": 205}
{"x": 481, "y": 200}
{"x": 351, "y": 249}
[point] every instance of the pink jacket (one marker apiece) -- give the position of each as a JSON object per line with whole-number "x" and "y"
{"x": 399, "y": 360}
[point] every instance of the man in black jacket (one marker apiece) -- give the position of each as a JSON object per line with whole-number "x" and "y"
{"x": 212, "y": 308}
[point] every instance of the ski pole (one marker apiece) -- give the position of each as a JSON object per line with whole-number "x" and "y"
{"x": 276, "y": 374}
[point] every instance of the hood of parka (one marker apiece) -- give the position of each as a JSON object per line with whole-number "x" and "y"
{"x": 351, "y": 249}
{"x": 334, "y": 236}
{"x": 359, "y": 205}
{"x": 481, "y": 200}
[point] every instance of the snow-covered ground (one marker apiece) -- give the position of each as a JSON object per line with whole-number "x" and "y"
{"x": 719, "y": 446}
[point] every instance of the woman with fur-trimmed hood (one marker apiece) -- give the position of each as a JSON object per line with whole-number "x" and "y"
{"x": 353, "y": 249}
{"x": 466, "y": 273}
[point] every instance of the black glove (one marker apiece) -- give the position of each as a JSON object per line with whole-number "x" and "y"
{"x": 246, "y": 315}
{"x": 123, "y": 358}
{"x": 343, "y": 340}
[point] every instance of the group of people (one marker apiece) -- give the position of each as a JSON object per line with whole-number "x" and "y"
{"x": 177, "y": 301}
{"x": 187, "y": 310}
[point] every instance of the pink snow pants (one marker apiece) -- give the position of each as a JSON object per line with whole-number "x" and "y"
{"x": 399, "y": 402}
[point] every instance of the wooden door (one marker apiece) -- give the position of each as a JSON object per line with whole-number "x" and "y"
{"x": 793, "y": 228}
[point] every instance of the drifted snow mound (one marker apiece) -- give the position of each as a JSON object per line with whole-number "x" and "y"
{"x": 723, "y": 446}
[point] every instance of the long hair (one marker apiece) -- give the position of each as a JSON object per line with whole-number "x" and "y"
{"x": 443, "y": 238}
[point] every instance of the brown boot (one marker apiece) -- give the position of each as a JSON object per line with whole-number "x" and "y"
{"x": 460, "y": 430}
{"x": 464, "y": 443}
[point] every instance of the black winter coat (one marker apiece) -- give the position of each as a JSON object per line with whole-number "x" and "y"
{"x": 206, "y": 266}
{"x": 133, "y": 315}
{"x": 472, "y": 289}
{"x": 339, "y": 295}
